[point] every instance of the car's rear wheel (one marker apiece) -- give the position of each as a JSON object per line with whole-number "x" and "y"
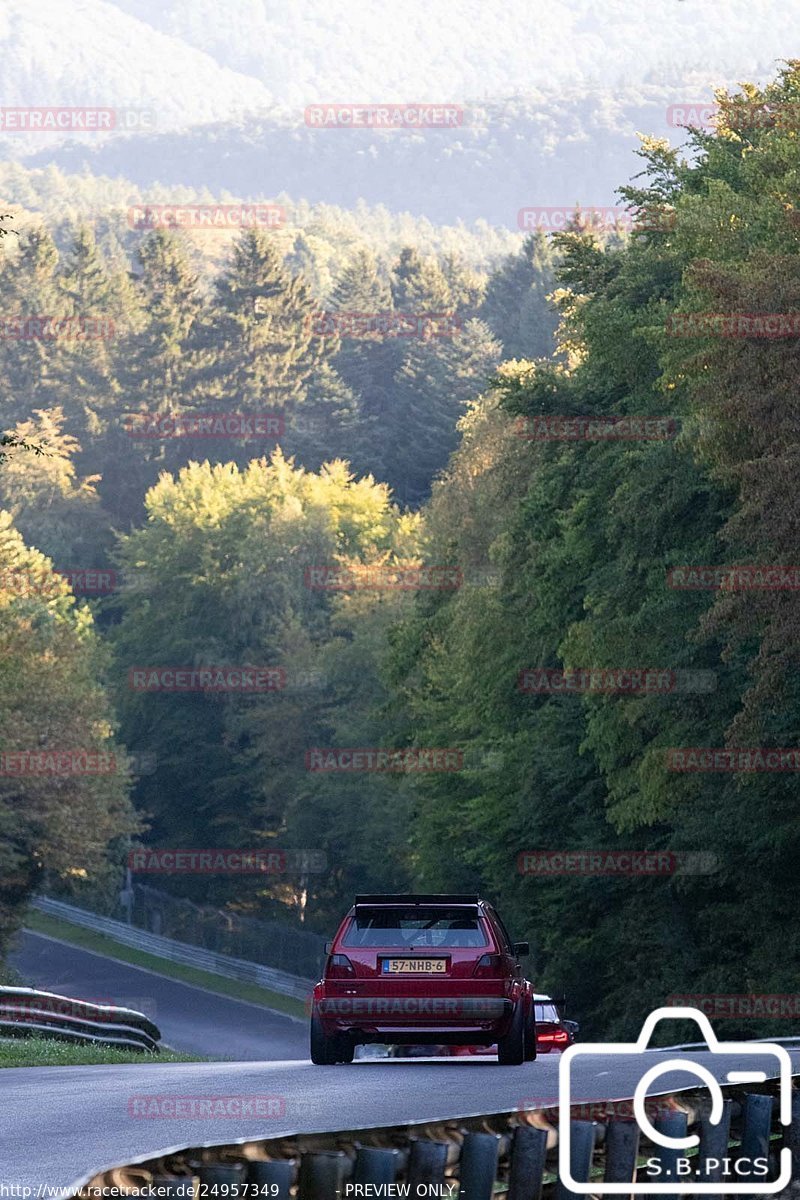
{"x": 325, "y": 1051}
{"x": 511, "y": 1048}
{"x": 530, "y": 1039}
{"x": 345, "y": 1049}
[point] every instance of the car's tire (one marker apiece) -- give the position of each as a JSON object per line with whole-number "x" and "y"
{"x": 323, "y": 1048}
{"x": 530, "y": 1039}
{"x": 511, "y": 1048}
{"x": 345, "y": 1049}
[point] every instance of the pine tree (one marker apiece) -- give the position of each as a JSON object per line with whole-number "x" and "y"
{"x": 330, "y": 425}
{"x": 467, "y": 286}
{"x": 419, "y": 284}
{"x": 263, "y": 343}
{"x": 155, "y": 361}
{"x": 365, "y": 361}
{"x": 437, "y": 378}
{"x": 515, "y": 306}
{"x": 103, "y": 299}
{"x": 29, "y": 359}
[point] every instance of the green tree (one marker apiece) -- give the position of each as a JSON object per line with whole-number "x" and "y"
{"x": 515, "y": 306}
{"x": 258, "y": 347}
{"x": 53, "y": 508}
{"x": 56, "y": 816}
{"x": 219, "y": 576}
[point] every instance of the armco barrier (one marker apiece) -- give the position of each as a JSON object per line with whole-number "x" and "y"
{"x": 25, "y": 1012}
{"x": 179, "y": 952}
{"x": 509, "y": 1155}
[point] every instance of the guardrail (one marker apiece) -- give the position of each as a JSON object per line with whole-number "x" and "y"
{"x": 25, "y": 1012}
{"x": 275, "y": 943}
{"x": 509, "y": 1154}
{"x": 179, "y": 952}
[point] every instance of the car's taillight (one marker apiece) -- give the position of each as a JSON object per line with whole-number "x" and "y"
{"x": 339, "y": 967}
{"x": 558, "y": 1037}
{"x": 488, "y": 966}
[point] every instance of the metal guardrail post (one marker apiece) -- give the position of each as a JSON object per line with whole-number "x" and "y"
{"x": 278, "y": 1174}
{"x": 478, "y": 1166}
{"x": 672, "y": 1125}
{"x": 622, "y": 1147}
{"x": 322, "y": 1175}
{"x": 581, "y": 1147}
{"x": 528, "y": 1150}
{"x": 214, "y": 1174}
{"x": 426, "y": 1162}
{"x": 714, "y": 1144}
{"x": 755, "y": 1133}
{"x": 375, "y": 1165}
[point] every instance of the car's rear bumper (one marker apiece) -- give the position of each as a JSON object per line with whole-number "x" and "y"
{"x": 449, "y": 1020}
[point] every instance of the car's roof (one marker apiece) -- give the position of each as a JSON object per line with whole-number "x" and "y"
{"x": 538, "y": 998}
{"x": 428, "y": 898}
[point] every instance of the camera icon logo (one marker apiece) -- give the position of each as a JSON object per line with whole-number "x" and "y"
{"x": 685, "y": 1185}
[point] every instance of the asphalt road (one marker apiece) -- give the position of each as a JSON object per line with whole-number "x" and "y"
{"x": 60, "y": 1125}
{"x": 190, "y": 1019}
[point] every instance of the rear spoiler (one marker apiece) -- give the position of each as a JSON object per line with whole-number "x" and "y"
{"x": 418, "y": 898}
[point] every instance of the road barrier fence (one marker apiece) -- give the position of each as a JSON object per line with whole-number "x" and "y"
{"x": 509, "y": 1155}
{"x": 26, "y": 1012}
{"x": 181, "y": 952}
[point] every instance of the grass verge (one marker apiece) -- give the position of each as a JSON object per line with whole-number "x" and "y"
{"x": 44, "y": 1052}
{"x": 76, "y": 935}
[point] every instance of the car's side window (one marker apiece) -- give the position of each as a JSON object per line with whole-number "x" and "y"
{"x": 505, "y": 940}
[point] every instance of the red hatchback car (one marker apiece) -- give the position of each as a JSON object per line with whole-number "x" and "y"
{"x": 423, "y": 969}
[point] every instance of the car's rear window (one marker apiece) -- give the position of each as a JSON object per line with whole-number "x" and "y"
{"x": 547, "y": 1012}
{"x": 416, "y": 927}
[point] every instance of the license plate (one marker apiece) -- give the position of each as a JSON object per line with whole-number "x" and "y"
{"x": 414, "y": 966}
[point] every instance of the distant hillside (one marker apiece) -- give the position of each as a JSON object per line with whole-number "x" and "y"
{"x": 340, "y": 50}
{"x": 538, "y": 150}
{"x": 558, "y": 91}
{"x": 317, "y": 237}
